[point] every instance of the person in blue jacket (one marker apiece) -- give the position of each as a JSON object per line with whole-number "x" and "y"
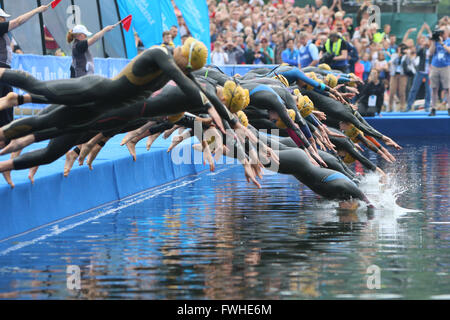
{"x": 290, "y": 55}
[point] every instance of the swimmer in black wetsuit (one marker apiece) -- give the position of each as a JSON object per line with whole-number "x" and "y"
{"x": 264, "y": 97}
{"x": 145, "y": 74}
{"x": 342, "y": 112}
{"x": 170, "y": 100}
{"x": 325, "y": 182}
{"x": 348, "y": 152}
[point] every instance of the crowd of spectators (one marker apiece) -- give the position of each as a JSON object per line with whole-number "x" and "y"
{"x": 252, "y": 32}
{"x": 255, "y": 32}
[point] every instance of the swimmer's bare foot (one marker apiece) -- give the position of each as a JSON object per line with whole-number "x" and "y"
{"x": 169, "y": 132}
{"x": 7, "y": 176}
{"x": 151, "y": 139}
{"x": 175, "y": 141}
{"x": 71, "y": 156}
{"x": 129, "y": 136}
{"x": 131, "y": 146}
{"x": 92, "y": 155}
{"x": 32, "y": 173}
{"x": 18, "y": 144}
{"x": 9, "y": 101}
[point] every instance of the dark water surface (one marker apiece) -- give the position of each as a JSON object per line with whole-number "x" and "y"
{"x": 214, "y": 236}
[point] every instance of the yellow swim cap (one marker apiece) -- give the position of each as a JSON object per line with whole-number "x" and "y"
{"x": 196, "y": 52}
{"x": 176, "y": 117}
{"x": 331, "y": 80}
{"x": 352, "y": 132}
{"x": 280, "y": 124}
{"x": 305, "y": 106}
{"x": 312, "y": 75}
{"x": 348, "y": 159}
{"x": 282, "y": 79}
{"x": 242, "y": 118}
{"x": 236, "y": 97}
{"x": 324, "y": 66}
{"x": 354, "y": 77}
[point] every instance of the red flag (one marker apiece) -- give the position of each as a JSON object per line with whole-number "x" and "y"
{"x": 126, "y": 22}
{"x": 55, "y": 3}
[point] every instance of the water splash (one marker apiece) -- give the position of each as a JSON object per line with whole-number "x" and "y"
{"x": 385, "y": 195}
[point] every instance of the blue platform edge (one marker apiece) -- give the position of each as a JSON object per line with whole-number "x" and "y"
{"x": 412, "y": 124}
{"x": 114, "y": 176}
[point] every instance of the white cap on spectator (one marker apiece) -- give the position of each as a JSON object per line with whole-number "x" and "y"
{"x": 79, "y": 28}
{"x": 4, "y": 14}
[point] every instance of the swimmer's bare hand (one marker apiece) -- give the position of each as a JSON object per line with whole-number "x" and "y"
{"x": 348, "y": 95}
{"x": 320, "y": 115}
{"x": 217, "y": 119}
{"x": 352, "y": 89}
{"x": 337, "y": 95}
{"x": 334, "y": 134}
{"x": 391, "y": 142}
{"x": 207, "y": 157}
{"x": 359, "y": 147}
{"x": 249, "y": 174}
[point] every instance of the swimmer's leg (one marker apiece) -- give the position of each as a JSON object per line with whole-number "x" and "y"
{"x": 59, "y": 117}
{"x": 65, "y": 91}
{"x": 55, "y": 149}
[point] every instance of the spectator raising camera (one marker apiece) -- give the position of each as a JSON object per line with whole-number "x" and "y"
{"x": 440, "y": 66}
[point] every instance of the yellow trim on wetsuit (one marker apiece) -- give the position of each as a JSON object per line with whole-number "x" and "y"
{"x": 176, "y": 117}
{"x": 139, "y": 80}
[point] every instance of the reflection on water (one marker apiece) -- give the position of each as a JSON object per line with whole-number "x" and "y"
{"x": 217, "y": 237}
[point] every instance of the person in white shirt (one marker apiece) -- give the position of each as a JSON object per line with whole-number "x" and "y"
{"x": 218, "y": 56}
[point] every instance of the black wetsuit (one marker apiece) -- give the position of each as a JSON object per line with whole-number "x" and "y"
{"x": 146, "y": 73}
{"x": 345, "y": 144}
{"x": 170, "y": 100}
{"x": 333, "y": 162}
{"x": 328, "y": 183}
{"x": 336, "y": 110}
{"x": 264, "y": 97}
